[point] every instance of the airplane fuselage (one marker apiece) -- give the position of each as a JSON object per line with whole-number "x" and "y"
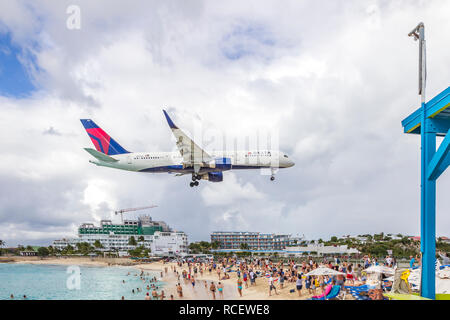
{"x": 189, "y": 159}
{"x": 173, "y": 161}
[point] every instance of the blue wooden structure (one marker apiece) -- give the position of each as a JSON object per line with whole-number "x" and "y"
{"x": 432, "y": 119}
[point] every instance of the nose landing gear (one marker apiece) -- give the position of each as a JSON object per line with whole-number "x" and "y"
{"x": 272, "y": 177}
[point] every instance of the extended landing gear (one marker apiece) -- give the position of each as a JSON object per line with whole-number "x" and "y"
{"x": 272, "y": 177}
{"x": 195, "y": 178}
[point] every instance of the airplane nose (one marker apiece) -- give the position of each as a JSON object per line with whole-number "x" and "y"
{"x": 291, "y": 163}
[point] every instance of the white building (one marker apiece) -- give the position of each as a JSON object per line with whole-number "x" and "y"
{"x": 320, "y": 249}
{"x": 157, "y": 237}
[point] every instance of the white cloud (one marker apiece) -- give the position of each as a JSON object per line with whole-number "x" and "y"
{"x": 229, "y": 191}
{"x": 334, "y": 82}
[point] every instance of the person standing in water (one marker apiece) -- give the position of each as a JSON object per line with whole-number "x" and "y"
{"x": 155, "y": 294}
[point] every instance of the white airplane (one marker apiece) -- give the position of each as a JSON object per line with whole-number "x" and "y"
{"x": 191, "y": 159}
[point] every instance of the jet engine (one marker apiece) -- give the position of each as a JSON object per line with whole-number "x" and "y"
{"x": 213, "y": 176}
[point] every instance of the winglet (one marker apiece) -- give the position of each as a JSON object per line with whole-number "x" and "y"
{"x": 169, "y": 121}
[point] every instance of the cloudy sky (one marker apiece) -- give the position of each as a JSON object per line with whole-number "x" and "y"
{"x": 331, "y": 79}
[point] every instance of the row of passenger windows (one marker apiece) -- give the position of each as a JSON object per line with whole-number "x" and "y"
{"x": 148, "y": 158}
{"x": 257, "y": 155}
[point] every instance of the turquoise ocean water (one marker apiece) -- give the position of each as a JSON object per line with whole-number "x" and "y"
{"x": 49, "y": 282}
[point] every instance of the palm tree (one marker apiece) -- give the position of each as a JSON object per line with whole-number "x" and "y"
{"x": 2, "y": 244}
{"x": 215, "y": 244}
{"x": 98, "y": 244}
{"x": 244, "y": 246}
{"x": 132, "y": 241}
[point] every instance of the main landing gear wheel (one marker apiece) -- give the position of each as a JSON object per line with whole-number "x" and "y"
{"x": 193, "y": 183}
{"x": 272, "y": 178}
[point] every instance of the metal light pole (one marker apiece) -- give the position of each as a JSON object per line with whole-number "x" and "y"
{"x": 428, "y": 186}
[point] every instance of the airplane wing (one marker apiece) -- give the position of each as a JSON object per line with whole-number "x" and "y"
{"x": 192, "y": 154}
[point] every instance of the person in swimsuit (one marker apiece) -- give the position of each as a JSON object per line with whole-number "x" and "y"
{"x": 220, "y": 289}
{"x": 180, "y": 290}
{"x": 308, "y": 284}
{"x": 239, "y": 286}
{"x": 299, "y": 285}
{"x": 212, "y": 288}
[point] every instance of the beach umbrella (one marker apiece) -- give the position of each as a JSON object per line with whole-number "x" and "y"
{"x": 324, "y": 271}
{"x": 380, "y": 269}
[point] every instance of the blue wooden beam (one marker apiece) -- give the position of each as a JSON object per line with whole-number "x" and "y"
{"x": 440, "y": 160}
{"x": 439, "y": 126}
{"x": 434, "y": 107}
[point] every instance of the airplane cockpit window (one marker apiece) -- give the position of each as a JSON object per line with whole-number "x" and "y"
{"x": 285, "y": 156}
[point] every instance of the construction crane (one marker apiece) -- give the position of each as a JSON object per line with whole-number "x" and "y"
{"x": 122, "y": 211}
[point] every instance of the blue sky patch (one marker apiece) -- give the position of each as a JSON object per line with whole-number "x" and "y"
{"x": 247, "y": 40}
{"x": 15, "y": 80}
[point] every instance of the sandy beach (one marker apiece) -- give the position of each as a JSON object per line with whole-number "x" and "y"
{"x": 258, "y": 292}
{"x": 79, "y": 261}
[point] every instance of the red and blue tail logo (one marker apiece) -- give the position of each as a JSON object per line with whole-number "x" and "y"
{"x": 101, "y": 140}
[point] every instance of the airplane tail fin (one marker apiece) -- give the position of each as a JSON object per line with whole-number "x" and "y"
{"x": 101, "y": 140}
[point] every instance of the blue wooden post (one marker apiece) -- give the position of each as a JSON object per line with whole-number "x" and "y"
{"x": 428, "y": 186}
{"x": 432, "y": 119}
{"x": 428, "y": 209}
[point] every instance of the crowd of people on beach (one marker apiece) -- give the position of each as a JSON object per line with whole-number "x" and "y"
{"x": 276, "y": 274}
{"x": 256, "y": 271}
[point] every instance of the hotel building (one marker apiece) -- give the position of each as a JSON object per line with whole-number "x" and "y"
{"x": 256, "y": 241}
{"x": 156, "y": 236}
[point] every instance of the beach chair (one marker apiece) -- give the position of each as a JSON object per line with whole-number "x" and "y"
{"x": 332, "y": 294}
{"x": 356, "y": 291}
{"x": 335, "y": 293}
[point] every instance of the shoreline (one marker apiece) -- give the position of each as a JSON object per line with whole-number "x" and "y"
{"x": 82, "y": 261}
{"x": 258, "y": 292}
